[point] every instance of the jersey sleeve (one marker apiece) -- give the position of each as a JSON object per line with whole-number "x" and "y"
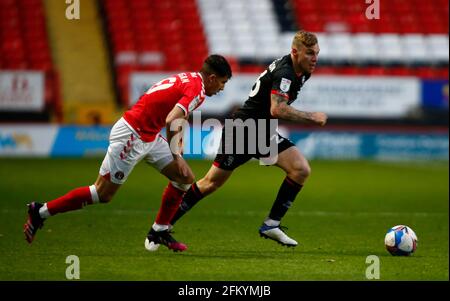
{"x": 190, "y": 99}
{"x": 282, "y": 80}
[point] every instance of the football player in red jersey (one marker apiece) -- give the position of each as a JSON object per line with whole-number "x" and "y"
{"x": 136, "y": 136}
{"x": 270, "y": 98}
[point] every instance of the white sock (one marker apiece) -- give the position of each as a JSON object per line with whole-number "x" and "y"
{"x": 158, "y": 227}
{"x": 94, "y": 194}
{"x": 43, "y": 211}
{"x": 184, "y": 187}
{"x": 271, "y": 222}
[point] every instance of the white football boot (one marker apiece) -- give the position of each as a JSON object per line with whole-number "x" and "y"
{"x": 277, "y": 234}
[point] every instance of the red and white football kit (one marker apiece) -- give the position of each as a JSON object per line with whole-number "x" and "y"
{"x": 136, "y": 135}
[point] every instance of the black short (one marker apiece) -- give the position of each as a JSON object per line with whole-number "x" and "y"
{"x": 232, "y": 157}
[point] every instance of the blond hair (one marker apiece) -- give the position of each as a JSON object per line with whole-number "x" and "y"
{"x": 305, "y": 38}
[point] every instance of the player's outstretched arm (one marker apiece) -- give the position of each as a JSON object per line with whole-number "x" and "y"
{"x": 175, "y": 123}
{"x": 281, "y": 110}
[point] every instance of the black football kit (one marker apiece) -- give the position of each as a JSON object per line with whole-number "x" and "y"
{"x": 239, "y": 144}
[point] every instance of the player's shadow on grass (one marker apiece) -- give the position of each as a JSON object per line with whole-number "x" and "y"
{"x": 340, "y": 253}
{"x": 242, "y": 254}
{"x": 281, "y": 253}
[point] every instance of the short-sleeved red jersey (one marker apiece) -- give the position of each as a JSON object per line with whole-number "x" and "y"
{"x": 148, "y": 115}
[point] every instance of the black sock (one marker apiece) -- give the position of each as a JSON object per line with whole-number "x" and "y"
{"x": 191, "y": 197}
{"x": 286, "y": 195}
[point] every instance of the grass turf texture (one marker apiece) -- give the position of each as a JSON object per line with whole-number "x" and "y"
{"x": 339, "y": 218}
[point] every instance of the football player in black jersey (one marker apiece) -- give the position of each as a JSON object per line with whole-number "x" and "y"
{"x": 270, "y": 98}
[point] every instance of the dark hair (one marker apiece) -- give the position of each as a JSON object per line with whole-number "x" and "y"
{"x": 216, "y": 64}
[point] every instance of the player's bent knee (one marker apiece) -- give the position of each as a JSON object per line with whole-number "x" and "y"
{"x": 104, "y": 190}
{"x": 306, "y": 171}
{"x": 300, "y": 174}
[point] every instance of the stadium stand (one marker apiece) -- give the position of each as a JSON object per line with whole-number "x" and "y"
{"x": 144, "y": 34}
{"x": 81, "y": 56}
{"x": 402, "y": 17}
{"x": 409, "y": 34}
{"x": 411, "y": 38}
{"x": 24, "y": 45}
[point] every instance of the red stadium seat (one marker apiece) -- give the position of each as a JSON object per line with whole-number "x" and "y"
{"x": 411, "y": 14}
{"x": 252, "y": 68}
{"x": 426, "y": 72}
{"x": 442, "y": 73}
{"x": 156, "y": 28}
{"x": 376, "y": 70}
{"x": 24, "y": 44}
{"x": 349, "y": 70}
{"x": 325, "y": 70}
{"x": 174, "y": 30}
{"x": 400, "y": 71}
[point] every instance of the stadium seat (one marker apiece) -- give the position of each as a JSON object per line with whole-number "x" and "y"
{"x": 144, "y": 34}
{"x": 342, "y": 46}
{"x": 389, "y": 45}
{"x": 415, "y": 48}
{"x": 151, "y": 35}
{"x": 241, "y": 28}
{"x": 366, "y": 45}
{"x": 24, "y": 44}
{"x": 400, "y": 71}
{"x": 439, "y": 47}
{"x": 227, "y": 25}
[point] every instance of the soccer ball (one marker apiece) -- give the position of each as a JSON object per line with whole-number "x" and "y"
{"x": 400, "y": 240}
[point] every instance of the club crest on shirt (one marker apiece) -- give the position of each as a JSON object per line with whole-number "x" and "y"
{"x": 119, "y": 175}
{"x": 285, "y": 84}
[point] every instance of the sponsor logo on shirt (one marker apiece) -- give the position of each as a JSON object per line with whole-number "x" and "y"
{"x": 194, "y": 103}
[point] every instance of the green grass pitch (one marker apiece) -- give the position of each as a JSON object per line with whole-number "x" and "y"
{"x": 339, "y": 219}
